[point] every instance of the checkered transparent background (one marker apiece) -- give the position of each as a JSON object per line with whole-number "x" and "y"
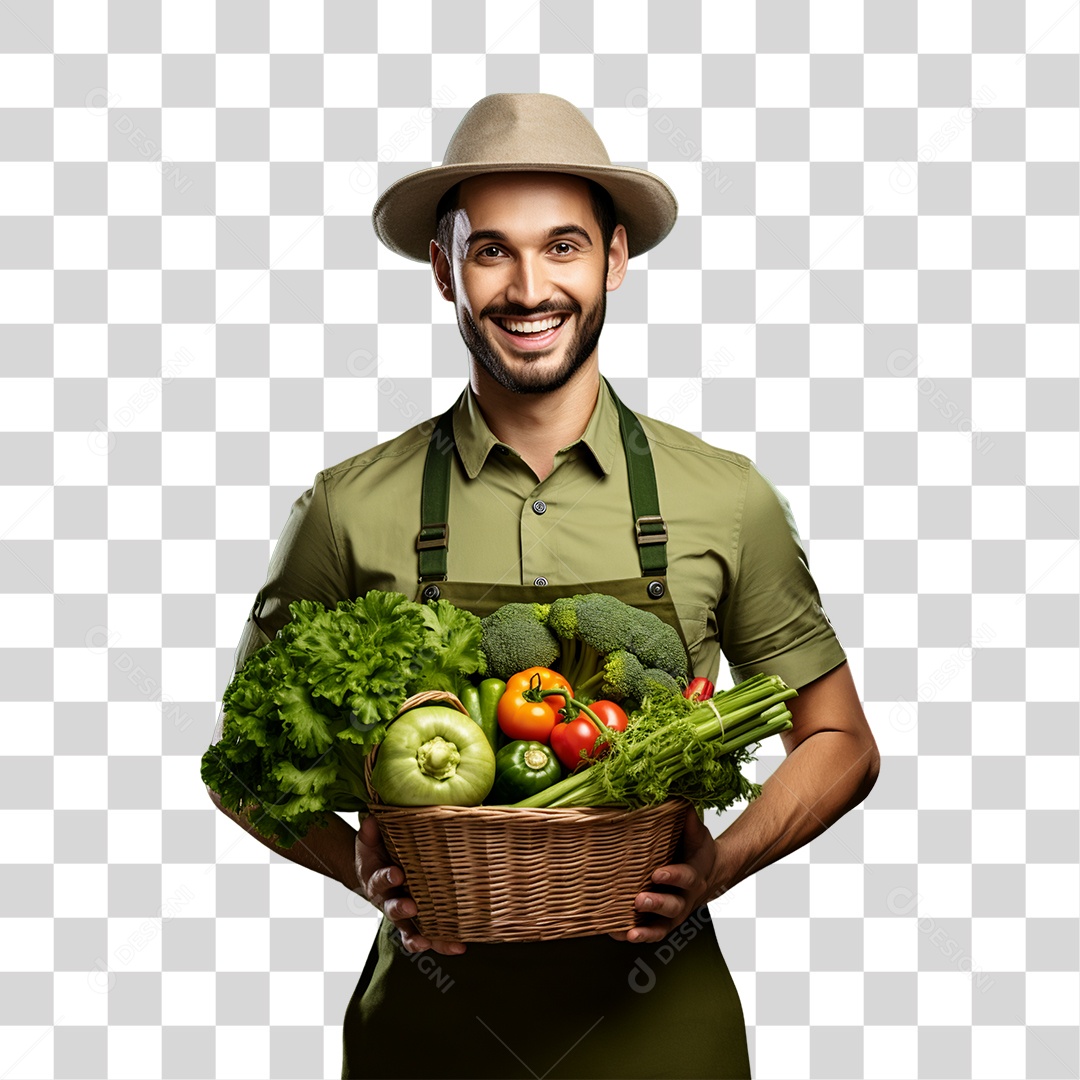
{"x": 872, "y": 290}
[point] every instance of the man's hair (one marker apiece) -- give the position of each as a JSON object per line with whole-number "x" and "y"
{"x": 602, "y": 203}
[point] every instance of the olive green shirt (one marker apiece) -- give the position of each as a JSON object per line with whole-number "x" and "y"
{"x": 737, "y": 570}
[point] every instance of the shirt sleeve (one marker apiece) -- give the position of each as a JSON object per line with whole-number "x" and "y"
{"x": 305, "y": 565}
{"x": 772, "y": 620}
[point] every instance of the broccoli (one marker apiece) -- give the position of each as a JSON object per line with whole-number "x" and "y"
{"x": 515, "y": 637}
{"x": 623, "y": 675}
{"x": 595, "y": 620}
{"x": 594, "y": 628}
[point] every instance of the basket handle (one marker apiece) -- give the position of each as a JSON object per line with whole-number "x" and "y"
{"x": 424, "y": 697}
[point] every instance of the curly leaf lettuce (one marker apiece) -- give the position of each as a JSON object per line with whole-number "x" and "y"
{"x": 304, "y": 710}
{"x": 451, "y": 649}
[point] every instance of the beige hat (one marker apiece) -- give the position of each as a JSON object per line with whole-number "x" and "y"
{"x": 522, "y": 133}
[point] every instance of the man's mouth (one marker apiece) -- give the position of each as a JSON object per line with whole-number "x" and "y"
{"x": 532, "y": 333}
{"x": 525, "y": 327}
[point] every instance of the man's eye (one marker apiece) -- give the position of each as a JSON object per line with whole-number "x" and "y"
{"x": 488, "y": 251}
{"x": 564, "y": 244}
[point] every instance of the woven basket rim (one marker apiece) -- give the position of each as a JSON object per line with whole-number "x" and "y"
{"x": 569, "y": 813}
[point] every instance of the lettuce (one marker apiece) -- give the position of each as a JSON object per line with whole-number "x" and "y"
{"x": 302, "y": 713}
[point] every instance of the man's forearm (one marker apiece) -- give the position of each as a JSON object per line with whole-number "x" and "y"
{"x": 330, "y": 850}
{"x": 794, "y": 806}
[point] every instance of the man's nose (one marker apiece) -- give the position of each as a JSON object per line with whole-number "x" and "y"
{"x": 530, "y": 283}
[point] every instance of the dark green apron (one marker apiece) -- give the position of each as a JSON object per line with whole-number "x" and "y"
{"x": 579, "y": 1007}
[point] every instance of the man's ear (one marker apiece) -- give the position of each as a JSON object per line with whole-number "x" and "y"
{"x": 440, "y": 267}
{"x": 618, "y": 258}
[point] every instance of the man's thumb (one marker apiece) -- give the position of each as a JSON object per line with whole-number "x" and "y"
{"x": 694, "y": 829}
{"x": 369, "y": 831}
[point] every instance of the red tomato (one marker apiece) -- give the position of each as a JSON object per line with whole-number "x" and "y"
{"x": 569, "y": 738}
{"x": 610, "y": 714}
{"x": 532, "y": 720}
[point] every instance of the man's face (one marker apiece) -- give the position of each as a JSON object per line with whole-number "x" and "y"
{"x": 527, "y": 256}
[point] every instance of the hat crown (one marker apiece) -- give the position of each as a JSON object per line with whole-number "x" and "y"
{"x": 529, "y": 128}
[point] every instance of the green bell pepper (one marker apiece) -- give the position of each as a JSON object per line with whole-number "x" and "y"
{"x": 523, "y": 768}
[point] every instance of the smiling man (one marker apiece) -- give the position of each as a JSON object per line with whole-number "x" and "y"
{"x": 532, "y": 326}
{"x": 548, "y": 486}
{"x": 530, "y": 307}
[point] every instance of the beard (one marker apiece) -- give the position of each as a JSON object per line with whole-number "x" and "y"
{"x": 534, "y": 379}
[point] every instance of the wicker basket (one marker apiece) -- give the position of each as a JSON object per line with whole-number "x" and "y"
{"x": 496, "y": 873}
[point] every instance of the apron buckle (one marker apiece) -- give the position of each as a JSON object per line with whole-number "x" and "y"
{"x": 650, "y": 529}
{"x": 425, "y": 540}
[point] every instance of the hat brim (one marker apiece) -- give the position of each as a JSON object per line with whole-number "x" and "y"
{"x": 404, "y": 214}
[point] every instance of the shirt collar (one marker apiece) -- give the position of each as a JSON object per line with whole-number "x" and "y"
{"x": 475, "y": 440}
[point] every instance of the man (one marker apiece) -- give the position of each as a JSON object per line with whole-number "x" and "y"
{"x": 532, "y": 227}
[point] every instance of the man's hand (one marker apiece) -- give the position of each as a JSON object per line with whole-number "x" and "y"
{"x": 693, "y": 883}
{"x": 382, "y": 883}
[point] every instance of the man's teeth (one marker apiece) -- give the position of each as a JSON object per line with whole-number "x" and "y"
{"x": 531, "y": 327}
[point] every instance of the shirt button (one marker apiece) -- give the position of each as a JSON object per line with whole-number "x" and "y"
{"x": 539, "y": 506}
{"x": 540, "y": 581}
{"x": 503, "y": 449}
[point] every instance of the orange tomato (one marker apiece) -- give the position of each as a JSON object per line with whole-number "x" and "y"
{"x": 520, "y": 718}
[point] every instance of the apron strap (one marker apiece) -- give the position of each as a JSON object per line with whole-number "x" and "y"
{"x": 434, "y": 535}
{"x": 649, "y": 526}
{"x": 433, "y": 539}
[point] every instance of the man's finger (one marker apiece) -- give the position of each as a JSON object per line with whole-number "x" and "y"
{"x": 667, "y": 904}
{"x": 654, "y": 932}
{"x": 414, "y": 941}
{"x": 389, "y": 878}
{"x": 448, "y": 948}
{"x": 681, "y": 875}
{"x": 411, "y": 939}
{"x": 399, "y": 909}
